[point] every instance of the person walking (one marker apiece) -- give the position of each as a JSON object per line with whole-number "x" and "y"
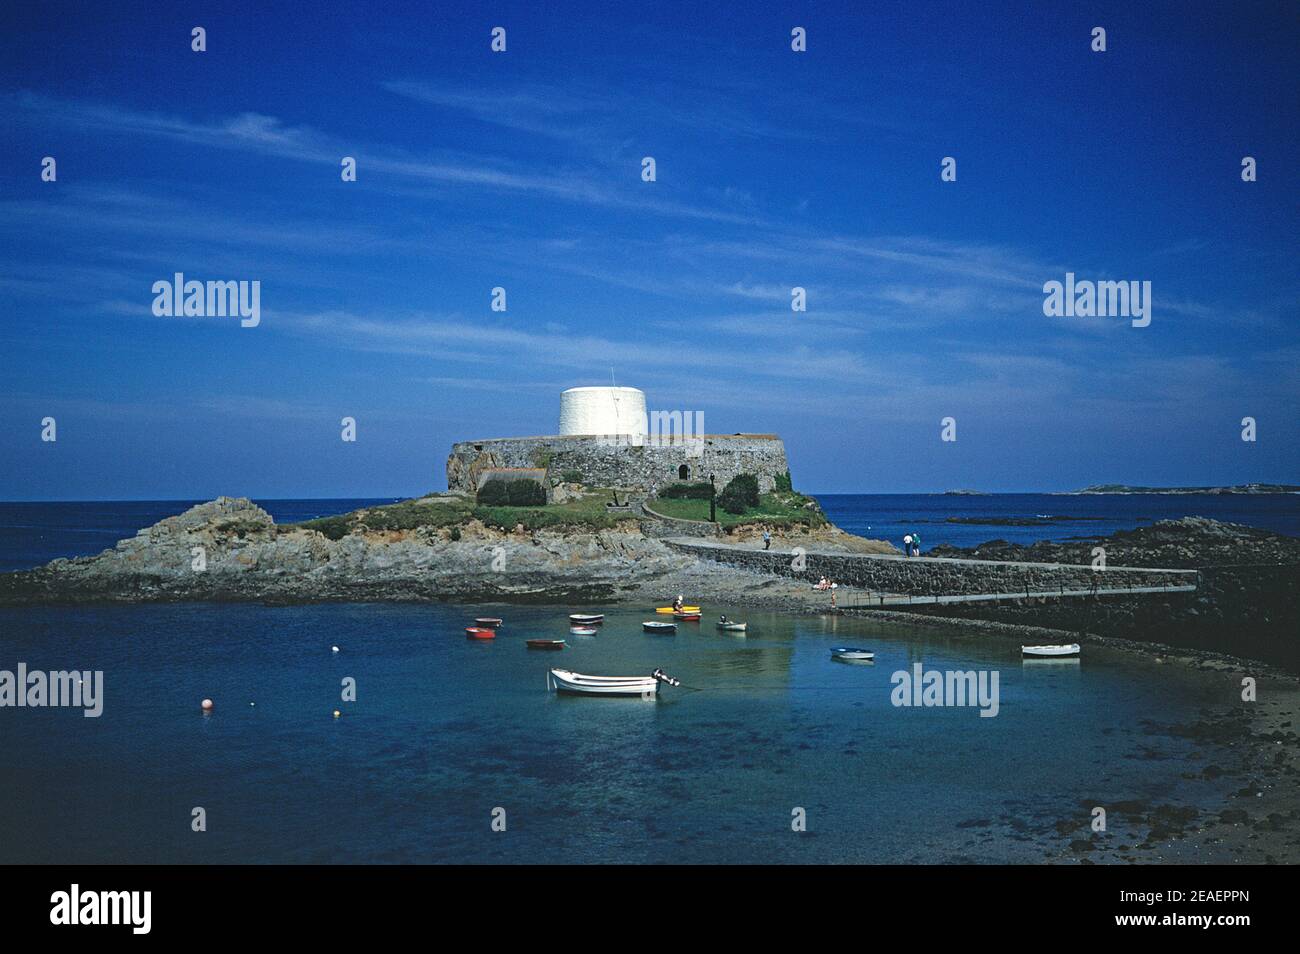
{"x": 767, "y": 540}
{"x": 907, "y": 545}
{"x": 916, "y": 544}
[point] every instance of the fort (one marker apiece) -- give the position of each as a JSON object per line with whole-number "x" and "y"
{"x": 607, "y": 440}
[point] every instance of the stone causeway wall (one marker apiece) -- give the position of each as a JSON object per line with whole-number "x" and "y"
{"x": 930, "y": 576}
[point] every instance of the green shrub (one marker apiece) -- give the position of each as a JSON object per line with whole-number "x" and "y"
{"x": 525, "y": 493}
{"x": 334, "y": 528}
{"x": 783, "y": 482}
{"x": 455, "y": 533}
{"x": 698, "y": 491}
{"x": 492, "y": 494}
{"x": 571, "y": 477}
{"x": 740, "y": 494}
{"x": 522, "y": 492}
{"x": 533, "y": 518}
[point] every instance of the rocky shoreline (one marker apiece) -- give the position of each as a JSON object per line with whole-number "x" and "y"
{"x": 231, "y": 550}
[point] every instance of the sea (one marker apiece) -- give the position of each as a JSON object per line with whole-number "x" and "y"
{"x": 456, "y": 751}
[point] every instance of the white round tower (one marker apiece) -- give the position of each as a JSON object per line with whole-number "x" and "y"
{"x": 602, "y": 411}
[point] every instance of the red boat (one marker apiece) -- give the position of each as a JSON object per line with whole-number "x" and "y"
{"x": 480, "y": 632}
{"x": 687, "y": 617}
{"x": 490, "y": 622}
{"x": 544, "y": 643}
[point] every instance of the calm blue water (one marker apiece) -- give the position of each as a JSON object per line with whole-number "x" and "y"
{"x": 891, "y": 516}
{"x": 444, "y": 730}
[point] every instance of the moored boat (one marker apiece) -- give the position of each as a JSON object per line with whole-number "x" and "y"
{"x": 1061, "y": 649}
{"x": 654, "y": 626}
{"x": 480, "y": 632}
{"x": 687, "y": 617}
{"x": 851, "y": 652}
{"x": 586, "y": 619}
{"x": 582, "y": 631}
{"x": 673, "y": 609}
{"x": 544, "y": 643}
{"x": 487, "y": 622}
{"x": 563, "y": 680}
{"x": 733, "y": 627}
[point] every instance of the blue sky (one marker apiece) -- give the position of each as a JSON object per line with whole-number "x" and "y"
{"x": 522, "y": 170}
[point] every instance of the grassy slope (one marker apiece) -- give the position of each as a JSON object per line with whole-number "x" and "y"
{"x": 437, "y": 512}
{"x": 780, "y": 508}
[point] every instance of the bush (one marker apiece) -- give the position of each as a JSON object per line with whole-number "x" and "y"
{"x": 455, "y": 533}
{"x": 571, "y": 477}
{"x": 740, "y": 494}
{"x": 525, "y": 493}
{"x": 783, "y": 482}
{"x": 334, "y": 528}
{"x": 687, "y": 491}
{"x": 507, "y": 518}
{"x": 731, "y": 502}
{"x": 492, "y": 494}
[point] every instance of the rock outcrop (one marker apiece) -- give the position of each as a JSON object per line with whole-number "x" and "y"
{"x": 231, "y": 549}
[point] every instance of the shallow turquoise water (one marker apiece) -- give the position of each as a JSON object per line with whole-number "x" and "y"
{"x": 444, "y": 730}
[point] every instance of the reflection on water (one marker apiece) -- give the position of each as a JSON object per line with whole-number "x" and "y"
{"x": 444, "y": 729}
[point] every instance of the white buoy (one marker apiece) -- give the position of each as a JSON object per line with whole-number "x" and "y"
{"x": 206, "y": 705}
{"x": 334, "y": 649}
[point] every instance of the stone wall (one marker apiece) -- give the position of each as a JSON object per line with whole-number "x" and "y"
{"x": 611, "y": 463}
{"x": 928, "y": 576}
{"x": 1251, "y": 611}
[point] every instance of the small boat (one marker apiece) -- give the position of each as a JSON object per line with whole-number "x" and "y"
{"x": 1064, "y": 649}
{"x": 582, "y": 631}
{"x": 544, "y": 643}
{"x": 488, "y": 622}
{"x": 586, "y": 619}
{"x": 672, "y": 609}
{"x": 480, "y": 632}
{"x": 654, "y": 626}
{"x": 565, "y": 681}
{"x": 732, "y": 627}
{"x": 687, "y": 617}
{"x": 850, "y": 652}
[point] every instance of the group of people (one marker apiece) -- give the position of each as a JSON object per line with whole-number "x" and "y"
{"x": 825, "y": 584}
{"x": 912, "y": 544}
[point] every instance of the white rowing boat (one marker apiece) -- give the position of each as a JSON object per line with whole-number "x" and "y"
{"x": 586, "y": 619}
{"x": 733, "y": 627}
{"x": 849, "y": 652}
{"x": 581, "y": 631}
{"x": 1071, "y": 649}
{"x": 653, "y": 626}
{"x": 565, "y": 681}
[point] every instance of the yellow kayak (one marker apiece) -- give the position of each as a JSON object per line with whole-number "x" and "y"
{"x": 684, "y": 609}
